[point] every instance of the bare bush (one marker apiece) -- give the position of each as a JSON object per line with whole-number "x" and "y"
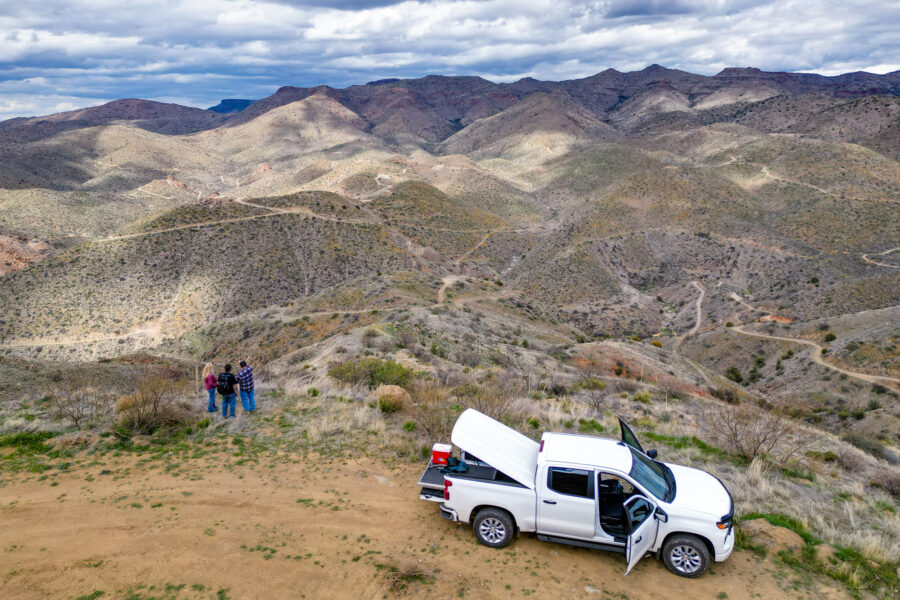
{"x": 851, "y": 459}
{"x": 430, "y": 408}
{"x": 889, "y": 480}
{"x": 624, "y": 385}
{"x": 750, "y": 432}
{"x": 494, "y": 396}
{"x": 81, "y": 404}
{"x": 157, "y": 402}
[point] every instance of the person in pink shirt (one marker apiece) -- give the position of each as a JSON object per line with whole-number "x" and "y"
{"x": 209, "y": 381}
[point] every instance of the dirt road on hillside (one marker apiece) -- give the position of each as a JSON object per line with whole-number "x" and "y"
{"x": 866, "y": 258}
{"x": 299, "y": 529}
{"x": 815, "y": 353}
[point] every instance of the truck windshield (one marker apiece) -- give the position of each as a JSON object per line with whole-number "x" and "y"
{"x": 652, "y": 476}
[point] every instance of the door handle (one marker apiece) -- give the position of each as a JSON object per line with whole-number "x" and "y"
{"x": 549, "y": 501}
{"x": 638, "y": 540}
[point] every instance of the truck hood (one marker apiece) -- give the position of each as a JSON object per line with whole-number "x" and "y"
{"x": 492, "y": 442}
{"x": 698, "y": 491}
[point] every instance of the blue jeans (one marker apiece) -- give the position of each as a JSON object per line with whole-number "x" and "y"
{"x": 248, "y": 400}
{"x": 226, "y": 400}
{"x": 211, "y": 407}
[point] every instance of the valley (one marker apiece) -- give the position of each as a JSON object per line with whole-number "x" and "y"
{"x": 713, "y": 257}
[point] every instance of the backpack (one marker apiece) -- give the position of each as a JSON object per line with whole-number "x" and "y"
{"x": 224, "y": 385}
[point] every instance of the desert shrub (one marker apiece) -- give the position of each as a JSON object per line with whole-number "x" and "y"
{"x": 372, "y": 372}
{"x": 76, "y": 401}
{"x": 850, "y": 459}
{"x": 749, "y": 432}
{"x": 430, "y": 408}
{"x": 405, "y": 339}
{"x": 642, "y": 397}
{"x": 734, "y": 374}
{"x": 369, "y": 336}
{"x": 154, "y": 404}
{"x": 830, "y": 337}
{"x": 888, "y": 480}
{"x": 469, "y": 358}
{"x": 656, "y": 343}
{"x": 534, "y": 422}
{"x": 624, "y": 385}
{"x": 409, "y": 426}
{"x": 866, "y": 444}
{"x": 589, "y": 426}
{"x": 494, "y": 396}
{"x": 556, "y": 390}
{"x": 26, "y": 442}
{"x": 879, "y": 389}
{"x": 389, "y": 404}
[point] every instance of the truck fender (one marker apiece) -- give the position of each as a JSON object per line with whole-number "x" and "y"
{"x": 709, "y": 546}
{"x": 481, "y": 507}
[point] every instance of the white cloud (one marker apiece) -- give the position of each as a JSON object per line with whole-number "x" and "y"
{"x": 202, "y": 50}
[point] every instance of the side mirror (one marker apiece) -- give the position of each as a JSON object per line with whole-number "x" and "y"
{"x": 652, "y": 453}
{"x": 661, "y": 515}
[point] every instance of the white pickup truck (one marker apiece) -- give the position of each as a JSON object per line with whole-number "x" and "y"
{"x": 582, "y": 490}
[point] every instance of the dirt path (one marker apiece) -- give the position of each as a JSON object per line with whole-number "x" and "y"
{"x": 815, "y": 353}
{"x": 474, "y": 248}
{"x": 676, "y": 348}
{"x": 866, "y": 258}
{"x": 447, "y": 282}
{"x": 699, "y": 319}
{"x": 308, "y": 529}
{"x": 769, "y": 175}
{"x": 150, "y": 331}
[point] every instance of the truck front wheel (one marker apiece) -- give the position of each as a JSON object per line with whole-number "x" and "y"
{"x": 686, "y": 555}
{"x": 493, "y": 527}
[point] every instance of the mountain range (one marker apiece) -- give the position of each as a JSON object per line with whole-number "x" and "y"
{"x": 587, "y": 208}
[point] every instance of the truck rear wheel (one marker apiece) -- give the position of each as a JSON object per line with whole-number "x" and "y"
{"x": 493, "y": 527}
{"x": 686, "y": 555}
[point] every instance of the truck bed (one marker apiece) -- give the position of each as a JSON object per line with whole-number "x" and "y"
{"x": 433, "y": 479}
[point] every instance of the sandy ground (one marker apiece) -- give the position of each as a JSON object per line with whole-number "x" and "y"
{"x": 300, "y": 528}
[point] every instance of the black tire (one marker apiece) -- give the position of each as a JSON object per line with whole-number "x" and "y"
{"x": 493, "y": 527}
{"x": 686, "y": 555}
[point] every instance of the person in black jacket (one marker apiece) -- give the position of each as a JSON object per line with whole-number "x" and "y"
{"x": 227, "y": 385}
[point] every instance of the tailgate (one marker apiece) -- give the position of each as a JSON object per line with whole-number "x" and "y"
{"x": 432, "y": 484}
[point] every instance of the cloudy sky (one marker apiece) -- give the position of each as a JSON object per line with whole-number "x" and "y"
{"x": 61, "y": 54}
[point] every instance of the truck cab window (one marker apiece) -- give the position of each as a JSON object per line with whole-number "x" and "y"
{"x": 572, "y": 482}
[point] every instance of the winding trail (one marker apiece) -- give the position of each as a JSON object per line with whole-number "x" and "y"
{"x": 474, "y": 248}
{"x": 769, "y": 174}
{"x": 815, "y": 352}
{"x": 447, "y": 282}
{"x": 696, "y": 326}
{"x": 676, "y": 348}
{"x": 866, "y": 258}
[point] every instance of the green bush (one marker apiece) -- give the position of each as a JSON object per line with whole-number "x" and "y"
{"x": 409, "y": 426}
{"x": 589, "y": 426}
{"x": 534, "y": 422}
{"x": 830, "y": 337}
{"x": 734, "y": 374}
{"x": 642, "y": 397}
{"x": 389, "y": 405}
{"x": 26, "y": 443}
{"x": 371, "y": 371}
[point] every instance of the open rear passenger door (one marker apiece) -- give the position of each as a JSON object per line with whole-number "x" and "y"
{"x": 642, "y": 527}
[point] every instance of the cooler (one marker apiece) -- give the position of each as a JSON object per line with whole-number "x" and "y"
{"x": 440, "y": 453}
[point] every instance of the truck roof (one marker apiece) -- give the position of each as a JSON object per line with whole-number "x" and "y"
{"x": 585, "y": 450}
